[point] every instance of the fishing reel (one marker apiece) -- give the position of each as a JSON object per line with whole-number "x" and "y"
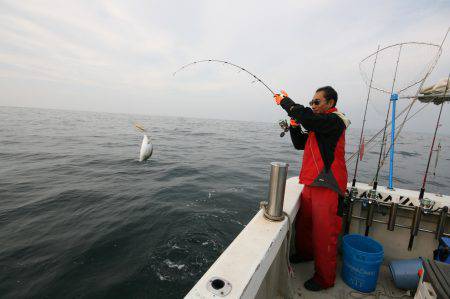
{"x": 285, "y": 126}
{"x": 427, "y": 205}
{"x": 353, "y": 193}
{"x": 371, "y": 197}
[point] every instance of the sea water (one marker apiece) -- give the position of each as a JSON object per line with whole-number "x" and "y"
{"x": 80, "y": 217}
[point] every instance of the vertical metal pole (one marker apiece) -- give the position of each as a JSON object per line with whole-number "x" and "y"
{"x": 369, "y": 218}
{"x": 394, "y": 98}
{"x": 415, "y": 226}
{"x": 348, "y": 217}
{"x": 392, "y": 216}
{"x": 441, "y": 222}
{"x": 277, "y": 186}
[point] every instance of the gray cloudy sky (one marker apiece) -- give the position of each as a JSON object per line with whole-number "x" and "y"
{"x": 119, "y": 56}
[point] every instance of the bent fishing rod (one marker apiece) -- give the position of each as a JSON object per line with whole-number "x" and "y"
{"x": 257, "y": 79}
{"x": 283, "y": 123}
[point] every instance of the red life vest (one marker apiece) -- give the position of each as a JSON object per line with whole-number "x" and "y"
{"x": 312, "y": 163}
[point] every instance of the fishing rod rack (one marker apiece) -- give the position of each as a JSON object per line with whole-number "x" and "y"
{"x": 371, "y": 199}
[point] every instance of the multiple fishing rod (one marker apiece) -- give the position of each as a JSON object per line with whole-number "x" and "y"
{"x": 383, "y": 141}
{"x": 409, "y": 107}
{"x": 418, "y": 212}
{"x": 372, "y": 195}
{"x": 368, "y": 142}
{"x": 361, "y": 142}
{"x": 422, "y": 81}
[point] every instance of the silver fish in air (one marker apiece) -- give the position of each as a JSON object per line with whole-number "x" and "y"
{"x": 146, "y": 147}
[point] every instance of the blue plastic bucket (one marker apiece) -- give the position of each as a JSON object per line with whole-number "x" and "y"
{"x": 362, "y": 260}
{"x": 405, "y": 273}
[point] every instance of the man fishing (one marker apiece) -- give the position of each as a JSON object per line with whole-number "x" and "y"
{"x": 324, "y": 176}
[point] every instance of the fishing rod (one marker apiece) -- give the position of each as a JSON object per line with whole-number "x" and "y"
{"x": 257, "y": 79}
{"x": 433, "y": 65}
{"x": 418, "y": 209}
{"x": 387, "y": 118}
{"x": 373, "y": 193}
{"x": 418, "y": 212}
{"x": 422, "y": 80}
{"x": 354, "y": 154}
{"x": 350, "y": 200}
{"x": 283, "y": 123}
{"x": 364, "y": 118}
{"x": 422, "y": 190}
{"x": 397, "y": 136}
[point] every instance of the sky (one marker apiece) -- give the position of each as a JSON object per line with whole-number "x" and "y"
{"x": 119, "y": 56}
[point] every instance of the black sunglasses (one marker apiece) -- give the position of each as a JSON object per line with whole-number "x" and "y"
{"x": 314, "y": 102}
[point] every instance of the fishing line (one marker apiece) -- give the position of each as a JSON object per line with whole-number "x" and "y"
{"x": 257, "y": 79}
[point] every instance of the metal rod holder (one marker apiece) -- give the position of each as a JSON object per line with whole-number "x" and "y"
{"x": 403, "y": 226}
{"x": 369, "y": 218}
{"x": 348, "y": 216}
{"x": 277, "y": 185}
{"x": 441, "y": 222}
{"x": 415, "y": 226}
{"x": 392, "y": 216}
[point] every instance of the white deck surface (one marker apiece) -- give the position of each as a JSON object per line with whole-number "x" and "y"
{"x": 385, "y": 286}
{"x": 247, "y": 259}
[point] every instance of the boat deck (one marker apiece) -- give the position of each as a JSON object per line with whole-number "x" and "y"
{"x": 385, "y": 286}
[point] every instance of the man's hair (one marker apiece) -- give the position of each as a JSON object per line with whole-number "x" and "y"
{"x": 329, "y": 93}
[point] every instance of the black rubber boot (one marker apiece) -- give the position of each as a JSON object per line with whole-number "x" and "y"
{"x": 312, "y": 286}
{"x": 296, "y": 259}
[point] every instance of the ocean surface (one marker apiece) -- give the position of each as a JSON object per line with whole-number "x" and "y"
{"x": 80, "y": 217}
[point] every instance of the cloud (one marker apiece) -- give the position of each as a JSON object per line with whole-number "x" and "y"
{"x": 129, "y": 50}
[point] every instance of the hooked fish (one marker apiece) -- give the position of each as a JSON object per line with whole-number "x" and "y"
{"x": 146, "y": 147}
